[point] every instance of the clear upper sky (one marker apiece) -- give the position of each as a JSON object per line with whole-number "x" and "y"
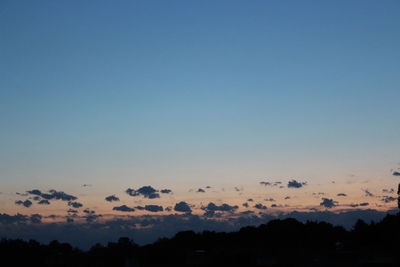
{"x": 183, "y": 94}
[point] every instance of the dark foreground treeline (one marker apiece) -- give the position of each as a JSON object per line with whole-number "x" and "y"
{"x": 277, "y": 243}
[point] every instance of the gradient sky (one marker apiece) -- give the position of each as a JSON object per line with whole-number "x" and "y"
{"x": 185, "y": 94}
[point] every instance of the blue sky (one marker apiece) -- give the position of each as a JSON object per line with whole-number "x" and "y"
{"x": 187, "y": 93}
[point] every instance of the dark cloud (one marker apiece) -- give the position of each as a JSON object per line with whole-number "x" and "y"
{"x": 27, "y": 203}
{"x": 11, "y": 219}
{"x": 69, "y": 220}
{"x": 35, "y": 192}
{"x": 388, "y": 199}
{"x": 260, "y": 206}
{"x": 182, "y": 207}
{"x": 86, "y": 185}
{"x": 287, "y": 197}
{"x": 224, "y": 207}
{"x": 36, "y": 218}
{"x": 88, "y": 211}
{"x": 124, "y": 208}
{"x": 166, "y": 191}
{"x": 296, "y": 184}
{"x": 72, "y": 211}
{"x": 359, "y": 205}
{"x": 52, "y": 194}
{"x": 328, "y": 203}
{"x": 388, "y": 191}
{"x": 250, "y": 200}
{"x": 153, "y": 208}
{"x": 91, "y": 218}
{"x": 269, "y": 199}
{"x": 246, "y": 205}
{"x": 200, "y": 190}
{"x": 341, "y": 195}
{"x": 44, "y": 202}
{"x": 396, "y": 173}
{"x": 74, "y": 204}
{"x": 265, "y": 183}
{"x": 111, "y": 198}
{"x": 145, "y": 191}
{"x": 368, "y": 193}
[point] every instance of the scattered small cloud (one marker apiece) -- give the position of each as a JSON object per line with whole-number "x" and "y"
{"x": 200, "y": 190}
{"x": 75, "y": 204}
{"x": 124, "y": 208}
{"x": 111, "y": 198}
{"x": 166, "y": 191}
{"x": 260, "y": 206}
{"x": 27, "y": 203}
{"x": 388, "y": 191}
{"x": 342, "y": 195}
{"x": 296, "y": 184}
{"x": 44, "y": 202}
{"x": 182, "y": 207}
{"x": 328, "y": 203}
{"x": 88, "y": 211}
{"x": 224, "y": 207}
{"x": 368, "y": 193}
{"x": 388, "y": 199}
{"x": 145, "y": 191}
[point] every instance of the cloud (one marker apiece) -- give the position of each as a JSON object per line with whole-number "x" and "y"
{"x": 388, "y": 199}
{"x": 296, "y": 184}
{"x": 396, "y": 173}
{"x": 74, "y": 204}
{"x": 182, "y": 207}
{"x": 124, "y": 208}
{"x": 88, "y": 211}
{"x": 166, "y": 191}
{"x": 10, "y": 219}
{"x": 153, "y": 208}
{"x": 287, "y": 197}
{"x": 27, "y": 203}
{"x": 341, "y": 195}
{"x": 111, "y": 198}
{"x": 200, "y": 190}
{"x": 269, "y": 199}
{"x": 328, "y": 203}
{"x": 250, "y": 200}
{"x": 246, "y": 205}
{"x": 36, "y": 218}
{"x": 92, "y": 217}
{"x": 72, "y": 211}
{"x": 388, "y": 191}
{"x": 359, "y": 205}
{"x": 260, "y": 206}
{"x": 224, "y": 207}
{"x": 86, "y": 185}
{"x": 265, "y": 183}
{"x": 145, "y": 191}
{"x": 44, "y": 202}
{"x": 368, "y": 193}
{"x": 52, "y": 194}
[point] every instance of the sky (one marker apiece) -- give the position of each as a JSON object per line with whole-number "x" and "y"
{"x": 100, "y": 96}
